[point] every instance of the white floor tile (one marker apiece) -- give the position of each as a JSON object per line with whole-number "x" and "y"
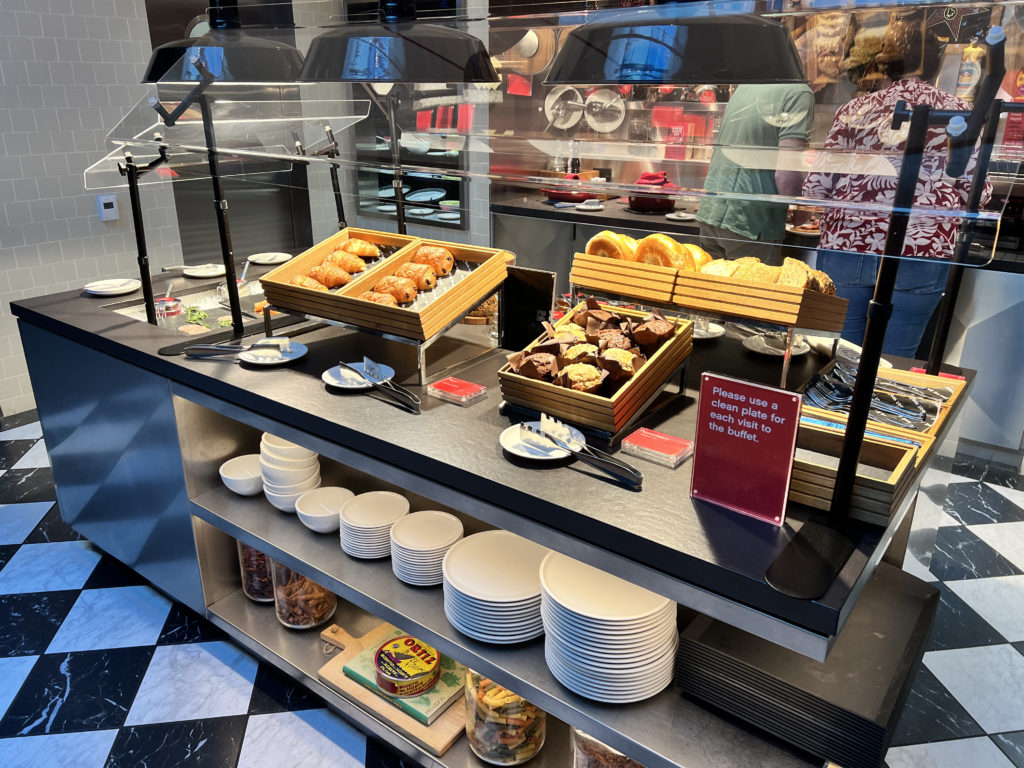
{"x": 987, "y": 681}
{"x": 1005, "y": 538}
{"x": 48, "y": 567}
{"x": 18, "y": 520}
{"x": 1014, "y": 495}
{"x": 35, "y": 457}
{"x": 137, "y": 613}
{"x": 13, "y": 672}
{"x": 32, "y": 431}
{"x": 959, "y": 753}
{"x": 187, "y": 682}
{"x": 914, "y": 566}
{"x": 58, "y": 750}
{"x": 309, "y": 737}
{"x": 999, "y": 601}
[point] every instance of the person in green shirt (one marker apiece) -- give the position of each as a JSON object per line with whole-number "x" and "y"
{"x": 756, "y": 116}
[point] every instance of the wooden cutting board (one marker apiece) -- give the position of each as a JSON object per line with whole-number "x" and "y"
{"x": 436, "y": 738}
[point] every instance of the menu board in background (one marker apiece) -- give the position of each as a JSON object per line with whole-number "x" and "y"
{"x": 746, "y": 437}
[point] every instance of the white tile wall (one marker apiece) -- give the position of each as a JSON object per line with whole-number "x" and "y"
{"x": 69, "y": 70}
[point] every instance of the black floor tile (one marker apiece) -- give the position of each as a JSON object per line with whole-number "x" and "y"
{"x": 19, "y": 419}
{"x": 29, "y": 622}
{"x": 1012, "y": 745}
{"x": 79, "y": 691}
{"x": 959, "y": 554}
{"x": 957, "y": 625}
{"x": 111, "y": 572}
{"x": 52, "y": 528}
{"x": 11, "y": 451}
{"x": 22, "y": 485}
{"x": 969, "y": 466}
{"x": 932, "y": 714}
{"x": 6, "y": 553}
{"x": 1019, "y": 646}
{"x": 212, "y": 743}
{"x": 1003, "y": 474}
{"x": 184, "y": 625}
{"x": 980, "y": 504}
{"x": 274, "y": 691}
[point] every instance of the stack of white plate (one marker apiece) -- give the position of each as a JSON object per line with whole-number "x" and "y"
{"x": 607, "y": 639}
{"x": 419, "y": 543}
{"x": 288, "y": 471}
{"x": 366, "y": 522}
{"x": 492, "y": 587}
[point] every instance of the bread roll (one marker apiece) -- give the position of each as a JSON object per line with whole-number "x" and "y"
{"x": 664, "y": 251}
{"x": 612, "y": 245}
{"x": 421, "y": 274}
{"x": 330, "y": 275}
{"x": 822, "y": 282}
{"x": 402, "y": 288}
{"x": 700, "y": 256}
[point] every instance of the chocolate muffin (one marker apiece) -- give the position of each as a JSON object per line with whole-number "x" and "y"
{"x": 540, "y": 365}
{"x": 612, "y": 338}
{"x": 653, "y": 332}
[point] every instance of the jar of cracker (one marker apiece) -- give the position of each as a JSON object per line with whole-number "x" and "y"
{"x": 502, "y": 727}
{"x": 300, "y": 602}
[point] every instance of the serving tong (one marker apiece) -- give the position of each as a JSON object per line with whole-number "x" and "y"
{"x": 398, "y": 394}
{"x": 554, "y": 431}
{"x": 215, "y": 350}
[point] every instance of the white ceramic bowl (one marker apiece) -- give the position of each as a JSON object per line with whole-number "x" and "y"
{"x": 311, "y": 482}
{"x": 319, "y": 508}
{"x": 275, "y": 474}
{"x": 284, "y": 501}
{"x": 274, "y": 458}
{"x": 283, "y": 449}
{"x": 242, "y": 474}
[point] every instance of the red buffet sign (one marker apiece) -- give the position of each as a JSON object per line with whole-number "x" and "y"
{"x": 746, "y": 436}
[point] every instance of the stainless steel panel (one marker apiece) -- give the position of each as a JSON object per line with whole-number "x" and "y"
{"x": 537, "y": 243}
{"x": 113, "y": 443}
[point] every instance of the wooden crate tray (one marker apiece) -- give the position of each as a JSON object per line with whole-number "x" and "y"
{"x": 884, "y": 474}
{"x": 779, "y": 304}
{"x": 598, "y": 411}
{"x": 623, "y": 278}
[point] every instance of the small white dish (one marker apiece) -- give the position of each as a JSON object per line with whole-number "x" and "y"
{"x": 342, "y": 378}
{"x": 376, "y": 509}
{"x": 759, "y": 345}
{"x": 803, "y": 232}
{"x": 510, "y": 441}
{"x": 204, "y": 270}
{"x": 113, "y": 287}
{"x": 270, "y": 258}
{"x": 426, "y": 531}
{"x": 449, "y": 215}
{"x": 320, "y": 509}
{"x": 270, "y": 357}
{"x": 586, "y": 206}
{"x": 681, "y": 216}
{"x": 387, "y": 208}
{"x": 713, "y": 331}
{"x": 242, "y": 475}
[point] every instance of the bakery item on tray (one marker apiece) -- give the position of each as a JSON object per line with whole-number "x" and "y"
{"x": 580, "y": 352}
{"x": 612, "y": 245}
{"x": 304, "y": 281}
{"x": 653, "y": 331}
{"x": 613, "y": 338}
{"x": 620, "y": 363}
{"x": 402, "y": 288}
{"x": 347, "y": 261}
{"x": 664, "y": 251}
{"x": 534, "y": 365}
{"x": 330, "y": 275}
{"x": 582, "y": 377}
{"x": 795, "y": 273}
{"x": 360, "y": 247}
{"x": 421, "y": 274}
{"x": 758, "y": 273}
{"x": 439, "y": 258}
{"x": 379, "y": 298}
{"x": 570, "y": 334}
{"x": 720, "y": 268}
{"x": 823, "y": 283}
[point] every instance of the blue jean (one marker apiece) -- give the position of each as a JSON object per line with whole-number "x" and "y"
{"x": 919, "y": 286}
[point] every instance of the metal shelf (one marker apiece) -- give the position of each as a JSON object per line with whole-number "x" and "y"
{"x": 666, "y": 731}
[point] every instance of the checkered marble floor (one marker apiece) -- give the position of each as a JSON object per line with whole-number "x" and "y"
{"x": 99, "y": 670}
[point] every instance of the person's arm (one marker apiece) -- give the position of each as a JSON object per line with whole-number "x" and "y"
{"x": 789, "y": 183}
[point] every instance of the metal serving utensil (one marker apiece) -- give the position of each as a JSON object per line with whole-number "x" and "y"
{"x": 214, "y": 350}
{"x": 559, "y": 434}
{"x": 410, "y": 401}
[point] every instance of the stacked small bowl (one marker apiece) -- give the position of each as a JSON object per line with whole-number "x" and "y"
{"x": 419, "y": 543}
{"x": 288, "y": 470}
{"x": 366, "y": 522}
{"x": 492, "y": 587}
{"x": 606, "y": 639}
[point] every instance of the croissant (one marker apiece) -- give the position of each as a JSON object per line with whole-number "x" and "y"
{"x": 439, "y": 258}
{"x": 402, "y": 288}
{"x": 347, "y": 261}
{"x": 379, "y": 298}
{"x": 421, "y": 274}
{"x": 308, "y": 282}
{"x": 330, "y": 275}
{"x": 362, "y": 248}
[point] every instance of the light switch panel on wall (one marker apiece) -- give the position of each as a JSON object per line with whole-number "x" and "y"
{"x": 107, "y": 206}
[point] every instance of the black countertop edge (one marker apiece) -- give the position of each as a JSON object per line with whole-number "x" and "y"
{"x": 614, "y": 215}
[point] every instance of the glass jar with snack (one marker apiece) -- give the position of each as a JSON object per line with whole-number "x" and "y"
{"x": 257, "y": 579}
{"x": 502, "y": 728}
{"x": 301, "y": 603}
{"x": 588, "y": 752}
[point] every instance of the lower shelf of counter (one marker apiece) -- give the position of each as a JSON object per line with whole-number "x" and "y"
{"x": 298, "y": 654}
{"x": 665, "y": 731}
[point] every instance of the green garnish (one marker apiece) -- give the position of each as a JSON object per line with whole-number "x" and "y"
{"x": 195, "y": 315}
{"x": 224, "y": 323}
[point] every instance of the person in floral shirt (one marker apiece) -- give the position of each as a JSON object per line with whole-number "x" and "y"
{"x": 865, "y": 125}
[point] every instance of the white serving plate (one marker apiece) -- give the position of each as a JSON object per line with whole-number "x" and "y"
{"x": 509, "y": 440}
{"x": 268, "y": 356}
{"x": 270, "y": 258}
{"x": 112, "y": 287}
{"x": 426, "y": 531}
{"x": 374, "y": 510}
{"x": 593, "y": 593}
{"x": 342, "y": 378}
{"x": 495, "y": 565}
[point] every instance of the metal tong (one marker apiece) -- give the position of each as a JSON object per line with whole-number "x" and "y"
{"x": 214, "y": 350}
{"x": 559, "y": 434}
{"x": 398, "y": 394}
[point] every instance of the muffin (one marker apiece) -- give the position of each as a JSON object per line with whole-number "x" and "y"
{"x": 623, "y": 357}
{"x": 539, "y": 365}
{"x": 612, "y": 338}
{"x": 653, "y": 332}
{"x": 570, "y": 334}
{"x": 580, "y": 352}
{"x": 600, "y": 315}
{"x": 582, "y": 377}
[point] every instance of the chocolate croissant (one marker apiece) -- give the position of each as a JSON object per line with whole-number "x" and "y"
{"x": 379, "y": 298}
{"x": 308, "y": 282}
{"x": 362, "y": 248}
{"x": 402, "y": 288}
{"x": 347, "y": 261}
{"x": 421, "y": 274}
{"x": 439, "y": 258}
{"x": 330, "y": 275}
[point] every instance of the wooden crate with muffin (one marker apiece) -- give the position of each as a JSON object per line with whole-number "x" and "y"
{"x": 598, "y": 366}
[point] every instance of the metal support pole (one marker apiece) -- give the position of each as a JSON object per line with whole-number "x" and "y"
{"x": 132, "y": 173}
{"x": 396, "y": 161}
{"x": 220, "y": 205}
{"x": 339, "y": 202}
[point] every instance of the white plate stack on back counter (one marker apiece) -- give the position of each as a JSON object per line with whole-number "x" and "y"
{"x": 492, "y": 587}
{"x": 366, "y": 522}
{"x": 606, "y": 639}
{"x": 419, "y": 543}
{"x": 288, "y": 470}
